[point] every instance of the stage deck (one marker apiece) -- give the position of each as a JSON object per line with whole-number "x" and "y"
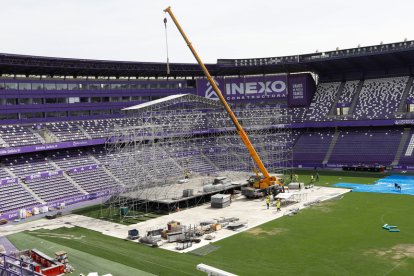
{"x": 173, "y": 193}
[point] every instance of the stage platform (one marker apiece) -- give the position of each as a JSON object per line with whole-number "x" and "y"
{"x": 187, "y": 192}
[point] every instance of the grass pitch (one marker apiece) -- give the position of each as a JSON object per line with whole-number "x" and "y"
{"x": 338, "y": 237}
{"x": 113, "y": 214}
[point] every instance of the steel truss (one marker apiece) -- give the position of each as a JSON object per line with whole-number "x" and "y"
{"x": 157, "y": 146}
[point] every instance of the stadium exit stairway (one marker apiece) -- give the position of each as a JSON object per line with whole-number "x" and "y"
{"x": 331, "y": 147}
{"x": 36, "y": 196}
{"x": 401, "y": 107}
{"x": 83, "y": 131}
{"x": 356, "y": 97}
{"x": 37, "y": 135}
{"x": 27, "y": 188}
{"x": 70, "y": 179}
{"x": 91, "y": 156}
{"x": 4, "y": 143}
{"x": 403, "y": 142}
{"x": 338, "y": 96}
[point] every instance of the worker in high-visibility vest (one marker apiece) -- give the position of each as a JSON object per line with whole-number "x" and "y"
{"x": 278, "y": 204}
{"x": 268, "y": 201}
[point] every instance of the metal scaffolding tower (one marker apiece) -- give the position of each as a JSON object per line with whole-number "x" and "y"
{"x": 169, "y": 146}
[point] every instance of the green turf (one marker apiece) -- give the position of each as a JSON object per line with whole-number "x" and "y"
{"x": 339, "y": 237}
{"x": 83, "y": 262}
{"x": 113, "y": 214}
{"x": 103, "y": 248}
{"x": 342, "y": 237}
{"x": 328, "y": 178}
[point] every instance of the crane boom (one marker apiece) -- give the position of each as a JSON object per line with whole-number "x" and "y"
{"x": 268, "y": 180}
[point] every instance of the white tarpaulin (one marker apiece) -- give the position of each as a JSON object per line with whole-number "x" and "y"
{"x": 286, "y": 195}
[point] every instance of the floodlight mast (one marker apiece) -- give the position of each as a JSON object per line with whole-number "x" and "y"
{"x": 268, "y": 180}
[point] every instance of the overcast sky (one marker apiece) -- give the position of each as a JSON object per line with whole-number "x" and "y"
{"x": 133, "y": 30}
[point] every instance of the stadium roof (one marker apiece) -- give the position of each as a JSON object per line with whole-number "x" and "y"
{"x": 154, "y": 102}
{"x": 173, "y": 100}
{"x": 355, "y": 63}
{"x": 53, "y": 66}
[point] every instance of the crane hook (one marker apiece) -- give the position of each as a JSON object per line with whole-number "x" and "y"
{"x": 166, "y": 44}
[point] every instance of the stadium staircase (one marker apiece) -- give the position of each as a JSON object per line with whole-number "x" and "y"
{"x": 13, "y": 175}
{"x": 241, "y": 160}
{"x": 401, "y": 147}
{"x": 209, "y": 161}
{"x": 31, "y": 192}
{"x": 7, "y": 170}
{"x": 401, "y": 107}
{"x": 83, "y": 131}
{"x": 91, "y": 156}
{"x": 331, "y": 147}
{"x": 338, "y": 96}
{"x": 48, "y": 136}
{"x": 65, "y": 175}
{"x": 3, "y": 143}
{"x": 356, "y": 96}
{"x": 37, "y": 135}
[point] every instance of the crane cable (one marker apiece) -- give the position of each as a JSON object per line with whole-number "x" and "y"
{"x": 166, "y": 45}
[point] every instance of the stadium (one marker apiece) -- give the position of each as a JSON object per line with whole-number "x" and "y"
{"x": 139, "y": 168}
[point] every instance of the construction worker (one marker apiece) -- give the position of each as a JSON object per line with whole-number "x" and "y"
{"x": 268, "y": 201}
{"x": 278, "y": 204}
{"x": 312, "y": 179}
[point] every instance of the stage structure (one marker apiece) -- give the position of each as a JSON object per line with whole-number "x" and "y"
{"x": 180, "y": 150}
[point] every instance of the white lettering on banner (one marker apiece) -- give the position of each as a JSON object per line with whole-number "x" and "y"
{"x": 10, "y": 151}
{"x": 252, "y": 88}
{"x": 240, "y": 90}
{"x": 297, "y": 91}
{"x": 80, "y": 143}
{"x": 264, "y": 87}
{"x": 281, "y": 84}
{"x": 404, "y": 122}
{"x": 210, "y": 93}
{"x": 13, "y": 215}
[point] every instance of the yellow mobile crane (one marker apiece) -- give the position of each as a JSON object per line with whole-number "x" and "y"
{"x": 259, "y": 183}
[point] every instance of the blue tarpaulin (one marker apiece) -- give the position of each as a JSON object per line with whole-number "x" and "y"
{"x": 385, "y": 185}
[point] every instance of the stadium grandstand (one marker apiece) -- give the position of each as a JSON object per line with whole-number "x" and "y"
{"x": 345, "y": 107}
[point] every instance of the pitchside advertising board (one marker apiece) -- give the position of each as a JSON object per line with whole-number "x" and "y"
{"x": 297, "y": 89}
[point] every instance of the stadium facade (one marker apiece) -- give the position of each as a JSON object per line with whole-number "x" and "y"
{"x": 346, "y": 107}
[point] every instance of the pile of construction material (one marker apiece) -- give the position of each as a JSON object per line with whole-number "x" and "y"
{"x": 296, "y": 185}
{"x": 153, "y": 238}
{"x": 219, "y": 184}
{"x": 188, "y": 192}
{"x": 220, "y": 201}
{"x": 174, "y": 231}
{"x": 185, "y": 236}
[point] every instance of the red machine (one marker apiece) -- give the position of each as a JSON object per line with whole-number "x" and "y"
{"x": 35, "y": 261}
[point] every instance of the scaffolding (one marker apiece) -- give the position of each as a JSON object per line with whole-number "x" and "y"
{"x": 167, "y": 154}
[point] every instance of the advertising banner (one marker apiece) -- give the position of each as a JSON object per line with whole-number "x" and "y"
{"x": 301, "y": 89}
{"x": 245, "y": 88}
{"x": 68, "y": 201}
{"x": 51, "y": 146}
{"x": 42, "y": 175}
{"x": 298, "y": 89}
{"x": 83, "y": 168}
{"x": 8, "y": 181}
{"x": 343, "y": 104}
